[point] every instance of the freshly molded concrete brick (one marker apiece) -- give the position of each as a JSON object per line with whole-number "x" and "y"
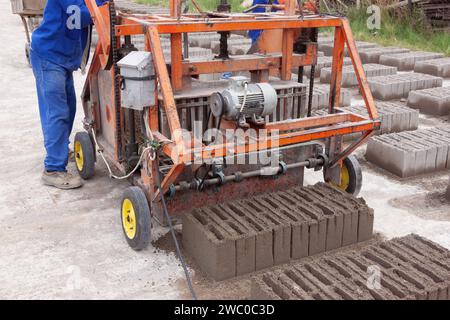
{"x": 435, "y": 67}
{"x": 242, "y": 236}
{"x": 399, "y": 85}
{"x": 407, "y": 61}
{"x": 411, "y": 153}
{"x": 372, "y": 55}
{"x": 349, "y": 76}
{"x": 327, "y": 48}
{"x": 321, "y": 97}
{"x": 322, "y": 62}
{"x": 435, "y": 101}
{"x": 412, "y": 267}
{"x": 215, "y": 45}
{"x": 394, "y": 116}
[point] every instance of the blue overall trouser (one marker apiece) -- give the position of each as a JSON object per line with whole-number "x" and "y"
{"x": 57, "y": 107}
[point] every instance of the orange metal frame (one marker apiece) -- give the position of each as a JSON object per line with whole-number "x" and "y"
{"x": 175, "y": 24}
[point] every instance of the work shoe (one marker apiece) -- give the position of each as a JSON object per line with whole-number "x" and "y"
{"x": 61, "y": 180}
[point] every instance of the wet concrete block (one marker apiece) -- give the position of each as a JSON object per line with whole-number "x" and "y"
{"x": 399, "y": 85}
{"x": 372, "y": 55}
{"x": 200, "y": 237}
{"x": 327, "y": 48}
{"x": 394, "y": 117}
{"x": 321, "y": 97}
{"x": 349, "y": 78}
{"x": 272, "y": 229}
{"x": 235, "y": 42}
{"x": 435, "y": 67}
{"x": 322, "y": 62}
{"x": 407, "y": 61}
{"x": 411, "y": 153}
{"x": 434, "y": 101}
{"x": 410, "y": 267}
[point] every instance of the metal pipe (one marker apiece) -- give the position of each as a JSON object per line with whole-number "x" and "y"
{"x": 245, "y": 175}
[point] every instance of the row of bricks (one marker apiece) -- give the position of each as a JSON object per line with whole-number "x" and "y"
{"x": 349, "y": 78}
{"x": 399, "y": 85}
{"x": 410, "y": 267}
{"x": 247, "y": 235}
{"x": 411, "y": 153}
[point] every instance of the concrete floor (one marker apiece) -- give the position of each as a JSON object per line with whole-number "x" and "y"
{"x": 69, "y": 244}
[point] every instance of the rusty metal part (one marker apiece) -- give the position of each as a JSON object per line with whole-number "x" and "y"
{"x": 102, "y": 105}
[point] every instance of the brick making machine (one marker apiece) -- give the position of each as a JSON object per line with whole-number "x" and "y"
{"x": 184, "y": 141}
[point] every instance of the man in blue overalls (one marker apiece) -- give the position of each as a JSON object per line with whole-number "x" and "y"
{"x": 59, "y": 46}
{"x": 255, "y": 34}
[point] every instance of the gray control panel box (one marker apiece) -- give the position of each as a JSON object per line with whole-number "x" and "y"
{"x": 137, "y": 80}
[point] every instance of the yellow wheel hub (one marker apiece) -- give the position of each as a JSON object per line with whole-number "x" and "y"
{"x": 128, "y": 219}
{"x": 345, "y": 178}
{"x": 79, "y": 161}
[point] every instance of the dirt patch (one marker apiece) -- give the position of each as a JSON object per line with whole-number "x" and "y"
{"x": 431, "y": 205}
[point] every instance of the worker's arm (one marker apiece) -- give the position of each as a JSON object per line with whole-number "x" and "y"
{"x": 85, "y": 16}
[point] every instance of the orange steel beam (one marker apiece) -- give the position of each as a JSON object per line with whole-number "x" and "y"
{"x": 336, "y": 69}
{"x": 245, "y": 63}
{"x": 133, "y": 26}
{"x": 312, "y": 122}
{"x": 360, "y": 75}
{"x": 287, "y": 44}
{"x": 166, "y": 88}
{"x": 284, "y": 139}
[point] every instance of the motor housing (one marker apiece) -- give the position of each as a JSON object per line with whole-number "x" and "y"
{"x": 244, "y": 101}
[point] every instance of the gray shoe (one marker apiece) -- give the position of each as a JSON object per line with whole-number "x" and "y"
{"x": 61, "y": 180}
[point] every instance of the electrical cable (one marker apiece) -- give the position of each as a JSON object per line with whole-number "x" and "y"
{"x": 172, "y": 231}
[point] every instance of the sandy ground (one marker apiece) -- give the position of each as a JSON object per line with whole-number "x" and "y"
{"x": 69, "y": 244}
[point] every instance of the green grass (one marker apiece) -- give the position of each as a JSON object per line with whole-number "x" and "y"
{"x": 205, "y": 5}
{"x": 401, "y": 30}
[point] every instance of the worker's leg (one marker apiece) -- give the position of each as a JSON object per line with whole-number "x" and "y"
{"x": 54, "y": 110}
{"x": 71, "y": 100}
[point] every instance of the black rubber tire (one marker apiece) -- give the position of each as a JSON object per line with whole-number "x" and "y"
{"x": 87, "y": 170}
{"x": 355, "y": 175}
{"x": 143, "y": 218}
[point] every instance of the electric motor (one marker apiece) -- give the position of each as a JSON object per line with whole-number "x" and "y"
{"x": 244, "y": 101}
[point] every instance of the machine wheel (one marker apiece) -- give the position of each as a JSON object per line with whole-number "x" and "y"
{"x": 84, "y": 155}
{"x": 135, "y": 216}
{"x": 351, "y": 176}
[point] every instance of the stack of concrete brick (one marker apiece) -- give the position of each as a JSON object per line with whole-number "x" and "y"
{"x": 436, "y": 67}
{"x": 435, "y": 101}
{"x": 206, "y": 39}
{"x": 235, "y": 42}
{"x": 407, "y": 61}
{"x": 349, "y": 78}
{"x": 327, "y": 48}
{"x": 372, "y": 55}
{"x": 323, "y": 62}
{"x": 321, "y": 97}
{"x": 243, "y": 236}
{"x": 406, "y": 268}
{"x": 411, "y": 153}
{"x": 399, "y": 85}
{"x": 394, "y": 117}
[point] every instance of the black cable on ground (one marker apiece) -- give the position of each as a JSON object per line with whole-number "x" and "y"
{"x": 172, "y": 231}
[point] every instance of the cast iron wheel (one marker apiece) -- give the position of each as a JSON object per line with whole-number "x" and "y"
{"x": 351, "y": 176}
{"x": 84, "y": 155}
{"x": 135, "y": 217}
